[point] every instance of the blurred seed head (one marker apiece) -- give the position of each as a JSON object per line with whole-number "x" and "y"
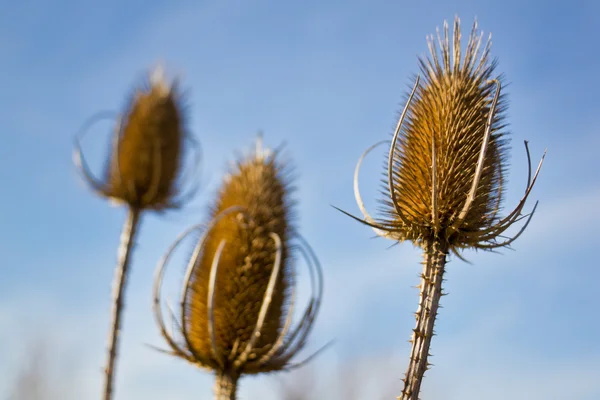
{"x": 237, "y": 298}
{"x": 448, "y": 159}
{"x": 149, "y": 145}
{"x": 247, "y": 261}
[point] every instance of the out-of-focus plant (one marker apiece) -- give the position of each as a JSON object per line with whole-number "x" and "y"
{"x": 42, "y": 375}
{"x": 445, "y": 175}
{"x": 237, "y": 299}
{"x": 32, "y": 381}
{"x": 143, "y": 172}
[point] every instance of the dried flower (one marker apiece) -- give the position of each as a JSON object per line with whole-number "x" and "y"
{"x": 445, "y": 174}
{"x": 237, "y": 299}
{"x": 142, "y": 172}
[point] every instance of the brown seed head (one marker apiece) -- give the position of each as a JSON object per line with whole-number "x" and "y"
{"x": 247, "y": 261}
{"x": 148, "y": 146}
{"x": 447, "y": 162}
{"x": 450, "y": 108}
{"x": 144, "y": 168}
{"x": 237, "y": 303}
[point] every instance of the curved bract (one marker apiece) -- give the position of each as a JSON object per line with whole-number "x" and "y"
{"x": 238, "y": 293}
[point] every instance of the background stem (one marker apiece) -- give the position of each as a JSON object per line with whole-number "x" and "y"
{"x": 430, "y": 292}
{"x": 123, "y": 259}
{"x": 225, "y": 386}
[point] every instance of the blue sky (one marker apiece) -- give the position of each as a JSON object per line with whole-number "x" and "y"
{"x": 328, "y": 78}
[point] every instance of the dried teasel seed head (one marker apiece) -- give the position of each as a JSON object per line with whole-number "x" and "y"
{"x": 447, "y": 162}
{"x": 247, "y": 260}
{"x": 150, "y": 142}
{"x": 237, "y": 300}
{"x": 448, "y": 116}
{"x": 144, "y": 168}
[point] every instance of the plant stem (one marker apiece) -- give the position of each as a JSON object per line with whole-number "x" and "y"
{"x": 434, "y": 262}
{"x": 225, "y": 386}
{"x": 123, "y": 259}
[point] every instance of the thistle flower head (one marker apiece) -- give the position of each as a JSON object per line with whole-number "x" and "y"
{"x": 148, "y": 149}
{"x": 447, "y": 161}
{"x": 237, "y": 297}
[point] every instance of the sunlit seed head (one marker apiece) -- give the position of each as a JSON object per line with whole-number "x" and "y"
{"x": 259, "y": 185}
{"x": 238, "y": 298}
{"x": 144, "y": 168}
{"x": 448, "y": 115}
{"x": 445, "y": 170}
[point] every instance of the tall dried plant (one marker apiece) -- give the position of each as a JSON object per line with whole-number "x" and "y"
{"x": 237, "y": 299}
{"x": 445, "y": 173}
{"x": 143, "y": 172}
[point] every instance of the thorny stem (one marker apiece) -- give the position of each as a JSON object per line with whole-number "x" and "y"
{"x": 225, "y": 386}
{"x": 123, "y": 259}
{"x": 430, "y": 293}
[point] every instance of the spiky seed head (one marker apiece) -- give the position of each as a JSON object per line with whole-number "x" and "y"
{"x": 259, "y": 185}
{"x": 144, "y": 166}
{"x": 240, "y": 279}
{"x": 448, "y": 115}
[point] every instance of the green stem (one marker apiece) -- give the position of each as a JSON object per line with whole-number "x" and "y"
{"x": 123, "y": 259}
{"x": 430, "y": 293}
{"x": 225, "y": 386}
